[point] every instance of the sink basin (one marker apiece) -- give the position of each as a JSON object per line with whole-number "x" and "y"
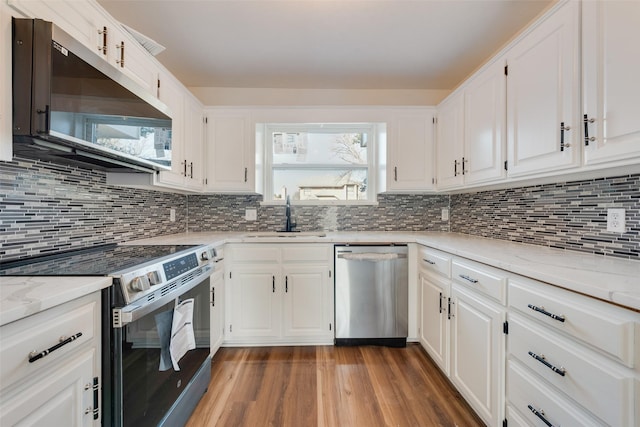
{"x": 286, "y": 234}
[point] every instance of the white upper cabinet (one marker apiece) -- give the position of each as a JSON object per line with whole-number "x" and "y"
{"x": 230, "y": 151}
{"x": 611, "y": 66}
{"x": 485, "y": 125}
{"x": 92, "y": 26}
{"x": 450, "y": 137}
{"x": 187, "y": 139}
{"x": 6, "y": 151}
{"x": 410, "y": 151}
{"x": 543, "y": 96}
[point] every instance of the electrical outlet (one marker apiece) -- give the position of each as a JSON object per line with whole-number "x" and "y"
{"x": 250, "y": 214}
{"x": 172, "y": 215}
{"x": 616, "y": 220}
{"x": 445, "y": 214}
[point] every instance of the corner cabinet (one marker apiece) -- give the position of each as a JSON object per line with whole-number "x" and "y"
{"x": 543, "y": 96}
{"x": 61, "y": 388}
{"x": 6, "y": 120}
{"x": 610, "y": 78}
{"x": 230, "y": 151}
{"x": 187, "y": 136}
{"x": 472, "y": 130}
{"x": 410, "y": 145}
{"x": 279, "y": 294}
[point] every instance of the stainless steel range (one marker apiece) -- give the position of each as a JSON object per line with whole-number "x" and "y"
{"x": 156, "y": 361}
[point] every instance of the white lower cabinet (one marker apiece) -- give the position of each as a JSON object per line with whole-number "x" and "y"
{"x": 279, "y": 294}
{"x": 434, "y": 325}
{"x": 62, "y": 387}
{"x": 477, "y": 352}
{"x": 217, "y": 310}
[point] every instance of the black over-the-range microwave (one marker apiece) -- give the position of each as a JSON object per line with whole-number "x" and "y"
{"x": 71, "y": 106}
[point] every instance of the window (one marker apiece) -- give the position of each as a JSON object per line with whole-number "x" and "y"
{"x": 320, "y": 163}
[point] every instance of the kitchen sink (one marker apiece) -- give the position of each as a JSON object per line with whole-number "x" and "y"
{"x": 286, "y": 234}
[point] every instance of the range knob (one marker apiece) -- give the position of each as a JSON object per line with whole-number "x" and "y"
{"x": 154, "y": 278}
{"x": 204, "y": 256}
{"x": 139, "y": 284}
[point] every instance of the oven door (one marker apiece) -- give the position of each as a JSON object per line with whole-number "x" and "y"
{"x": 147, "y": 390}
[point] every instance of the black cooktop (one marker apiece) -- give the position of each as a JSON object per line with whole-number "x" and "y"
{"x": 95, "y": 261}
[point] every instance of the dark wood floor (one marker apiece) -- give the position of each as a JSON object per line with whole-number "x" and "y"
{"x": 329, "y": 386}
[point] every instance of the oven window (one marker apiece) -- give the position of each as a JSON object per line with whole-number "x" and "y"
{"x": 149, "y": 387}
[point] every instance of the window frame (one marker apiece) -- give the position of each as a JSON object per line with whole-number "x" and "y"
{"x": 356, "y": 127}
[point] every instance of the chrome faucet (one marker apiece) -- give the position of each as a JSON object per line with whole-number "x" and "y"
{"x": 289, "y": 226}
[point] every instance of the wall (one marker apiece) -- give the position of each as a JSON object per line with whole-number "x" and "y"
{"x": 46, "y": 208}
{"x": 568, "y": 215}
{"x": 217, "y": 96}
{"x": 394, "y": 212}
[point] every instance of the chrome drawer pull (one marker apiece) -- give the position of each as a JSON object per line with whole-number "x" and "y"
{"x": 35, "y": 355}
{"x": 559, "y": 318}
{"x": 543, "y": 360}
{"x": 470, "y": 279}
{"x": 428, "y": 261}
{"x": 540, "y": 414}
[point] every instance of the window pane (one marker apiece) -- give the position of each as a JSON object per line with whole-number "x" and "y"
{"x": 320, "y": 184}
{"x": 312, "y": 147}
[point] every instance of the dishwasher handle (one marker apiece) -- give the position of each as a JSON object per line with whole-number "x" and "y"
{"x": 370, "y": 256}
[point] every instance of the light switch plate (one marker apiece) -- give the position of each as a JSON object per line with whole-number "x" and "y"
{"x": 616, "y": 220}
{"x": 445, "y": 214}
{"x": 172, "y": 215}
{"x": 250, "y": 214}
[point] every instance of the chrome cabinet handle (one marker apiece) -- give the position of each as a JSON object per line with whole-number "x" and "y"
{"x": 245, "y": 174}
{"x": 540, "y": 414}
{"x": 395, "y": 173}
{"x": 213, "y": 296}
{"x": 465, "y": 277}
{"x": 540, "y": 358}
{"x": 121, "y": 60}
{"x": 191, "y": 167}
{"x": 428, "y": 261}
{"x": 273, "y": 284}
{"x": 103, "y": 48}
{"x": 463, "y": 162}
{"x": 563, "y": 128}
{"x": 559, "y": 318}
{"x": 455, "y": 167}
{"x": 588, "y": 139}
{"x": 35, "y": 355}
{"x": 286, "y": 284}
{"x": 440, "y": 301}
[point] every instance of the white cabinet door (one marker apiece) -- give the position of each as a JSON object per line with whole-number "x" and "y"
{"x": 57, "y": 399}
{"x": 230, "y": 152}
{"x": 450, "y": 142}
{"x": 255, "y": 302}
{"x": 477, "y": 353}
{"x": 171, "y": 93}
{"x": 217, "y": 312}
{"x": 410, "y": 161}
{"x": 306, "y": 301}
{"x": 194, "y": 143}
{"x": 485, "y": 101}
{"x": 434, "y": 326}
{"x": 543, "y": 96}
{"x": 6, "y": 119}
{"x": 611, "y": 66}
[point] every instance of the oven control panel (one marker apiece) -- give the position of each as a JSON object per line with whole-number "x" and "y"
{"x": 180, "y": 266}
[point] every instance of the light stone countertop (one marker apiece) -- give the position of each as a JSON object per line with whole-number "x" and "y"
{"x": 23, "y": 296}
{"x": 610, "y": 279}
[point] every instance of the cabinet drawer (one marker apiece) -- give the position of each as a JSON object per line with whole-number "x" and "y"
{"x": 255, "y": 253}
{"x": 43, "y": 331}
{"x": 526, "y": 393}
{"x": 433, "y": 260}
{"x": 596, "y": 383}
{"x": 306, "y": 253}
{"x": 481, "y": 278}
{"x": 606, "y": 327}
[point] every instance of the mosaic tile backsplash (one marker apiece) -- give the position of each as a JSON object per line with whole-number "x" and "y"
{"x": 570, "y": 215}
{"x": 47, "y": 208}
{"x": 394, "y": 212}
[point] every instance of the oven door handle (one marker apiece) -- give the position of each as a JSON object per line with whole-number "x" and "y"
{"x": 135, "y": 311}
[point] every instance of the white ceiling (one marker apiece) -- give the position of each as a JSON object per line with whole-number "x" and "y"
{"x": 322, "y": 44}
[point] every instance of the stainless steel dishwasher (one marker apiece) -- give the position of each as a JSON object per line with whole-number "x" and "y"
{"x": 371, "y": 295}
